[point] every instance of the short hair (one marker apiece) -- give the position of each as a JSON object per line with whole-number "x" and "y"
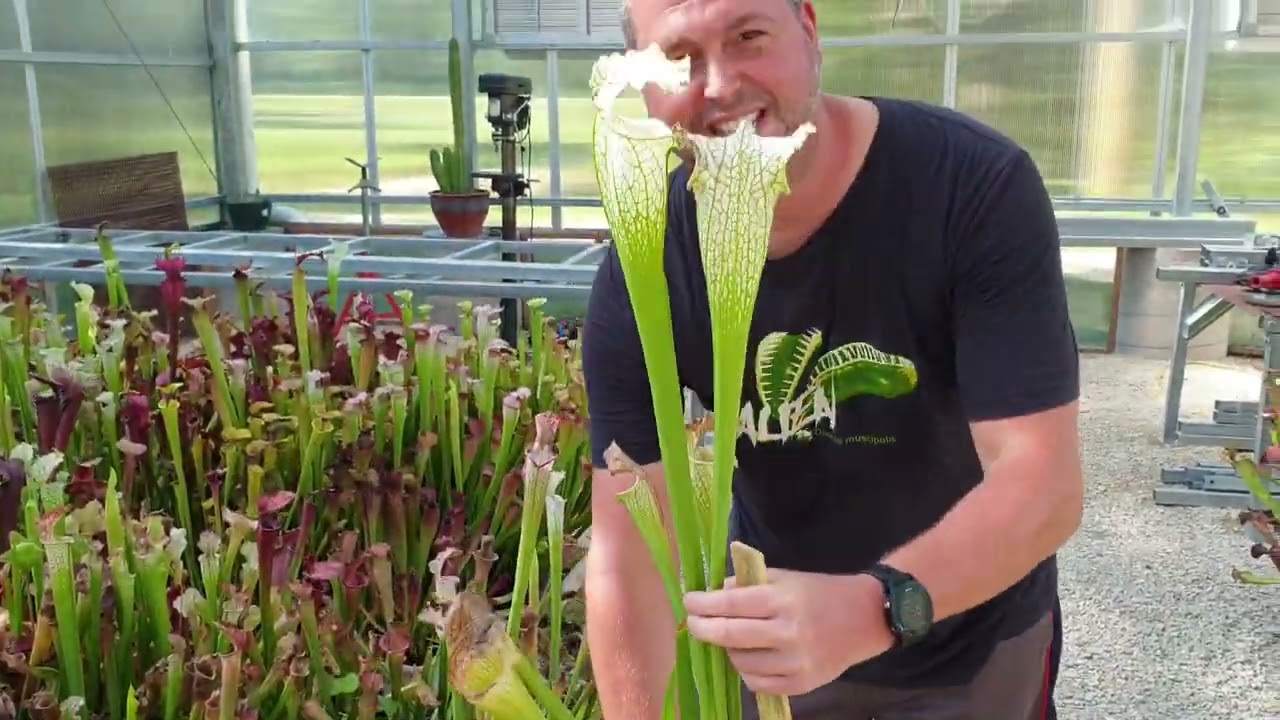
{"x": 629, "y": 27}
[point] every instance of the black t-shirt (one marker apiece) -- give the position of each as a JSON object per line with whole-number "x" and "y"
{"x": 945, "y": 252}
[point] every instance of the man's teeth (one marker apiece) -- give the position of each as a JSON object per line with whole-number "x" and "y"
{"x": 727, "y": 126}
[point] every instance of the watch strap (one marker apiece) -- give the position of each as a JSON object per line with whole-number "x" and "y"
{"x": 893, "y": 581}
{"x": 891, "y": 577}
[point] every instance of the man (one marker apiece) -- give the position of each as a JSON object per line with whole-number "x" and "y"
{"x": 912, "y": 545}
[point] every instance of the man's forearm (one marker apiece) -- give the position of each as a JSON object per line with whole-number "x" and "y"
{"x": 1021, "y": 513}
{"x": 631, "y": 636}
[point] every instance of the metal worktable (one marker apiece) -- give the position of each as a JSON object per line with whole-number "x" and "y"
{"x": 1234, "y": 425}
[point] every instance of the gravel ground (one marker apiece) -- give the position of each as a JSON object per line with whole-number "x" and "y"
{"x": 1154, "y": 625}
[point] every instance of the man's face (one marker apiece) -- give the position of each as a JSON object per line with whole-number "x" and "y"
{"x": 748, "y": 58}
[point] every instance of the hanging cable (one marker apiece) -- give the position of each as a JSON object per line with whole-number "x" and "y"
{"x": 160, "y": 89}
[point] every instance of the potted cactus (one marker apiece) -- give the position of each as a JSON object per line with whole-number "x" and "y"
{"x": 459, "y": 206}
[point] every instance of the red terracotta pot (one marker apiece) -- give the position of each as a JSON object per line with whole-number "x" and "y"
{"x": 461, "y": 215}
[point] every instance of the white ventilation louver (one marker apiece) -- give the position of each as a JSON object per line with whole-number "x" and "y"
{"x": 1260, "y": 18}
{"x": 554, "y": 19}
{"x": 604, "y": 18}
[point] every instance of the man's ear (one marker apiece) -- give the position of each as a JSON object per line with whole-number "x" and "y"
{"x": 809, "y": 22}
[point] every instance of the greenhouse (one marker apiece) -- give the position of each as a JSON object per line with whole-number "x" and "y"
{"x": 293, "y": 416}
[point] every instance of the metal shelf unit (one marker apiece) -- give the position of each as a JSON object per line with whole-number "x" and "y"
{"x": 555, "y": 269}
{"x": 1235, "y": 425}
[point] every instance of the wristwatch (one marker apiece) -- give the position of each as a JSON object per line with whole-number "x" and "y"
{"x": 908, "y": 608}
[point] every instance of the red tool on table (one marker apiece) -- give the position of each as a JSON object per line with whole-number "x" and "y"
{"x": 1264, "y": 285}
{"x": 1266, "y": 280}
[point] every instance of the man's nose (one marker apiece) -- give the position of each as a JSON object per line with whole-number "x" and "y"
{"x": 721, "y": 81}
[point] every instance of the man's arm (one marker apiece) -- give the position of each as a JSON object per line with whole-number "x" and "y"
{"x": 630, "y": 629}
{"x": 1027, "y": 506}
{"x": 1018, "y": 372}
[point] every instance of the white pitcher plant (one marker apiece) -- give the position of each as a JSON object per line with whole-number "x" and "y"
{"x": 737, "y": 180}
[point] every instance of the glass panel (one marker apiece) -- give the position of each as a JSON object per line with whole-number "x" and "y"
{"x": 1086, "y": 113}
{"x": 203, "y": 217}
{"x": 142, "y": 118}
{"x": 413, "y": 116}
{"x": 17, "y": 193}
{"x": 346, "y": 214}
{"x": 1006, "y": 16}
{"x": 851, "y": 18}
{"x": 577, "y": 167}
{"x": 8, "y": 28}
{"x": 1090, "y": 275}
{"x": 1171, "y": 121}
{"x": 411, "y": 19}
{"x": 1240, "y": 127}
{"x": 308, "y": 112}
{"x": 89, "y": 26}
{"x": 304, "y": 19}
{"x": 1240, "y": 149}
{"x": 906, "y": 72}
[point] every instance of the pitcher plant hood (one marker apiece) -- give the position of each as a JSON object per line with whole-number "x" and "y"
{"x": 631, "y": 153}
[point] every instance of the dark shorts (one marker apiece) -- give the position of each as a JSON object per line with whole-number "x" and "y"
{"x": 1014, "y": 684}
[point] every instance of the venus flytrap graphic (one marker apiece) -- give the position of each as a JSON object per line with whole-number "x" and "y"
{"x": 799, "y": 403}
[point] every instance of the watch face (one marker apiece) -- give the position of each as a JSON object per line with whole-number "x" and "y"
{"x": 914, "y": 611}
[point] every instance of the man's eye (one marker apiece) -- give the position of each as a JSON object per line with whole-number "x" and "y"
{"x": 749, "y": 35}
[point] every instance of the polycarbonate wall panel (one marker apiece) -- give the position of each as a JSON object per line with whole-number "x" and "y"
{"x": 1010, "y": 16}
{"x": 409, "y": 19}
{"x": 340, "y": 19}
{"x": 853, "y": 18}
{"x": 17, "y": 184}
{"x": 1240, "y": 146}
{"x": 577, "y": 168}
{"x": 168, "y": 28}
{"x": 108, "y": 111}
{"x": 1087, "y": 113}
{"x": 1240, "y": 128}
{"x": 914, "y": 73}
{"x": 413, "y": 115}
{"x": 308, "y": 110}
{"x": 304, "y": 19}
{"x": 8, "y": 28}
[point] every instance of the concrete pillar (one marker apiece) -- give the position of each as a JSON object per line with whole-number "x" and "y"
{"x": 1148, "y": 309}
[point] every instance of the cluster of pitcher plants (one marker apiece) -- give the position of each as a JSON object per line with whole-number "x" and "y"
{"x": 282, "y": 510}
{"x": 1260, "y": 523}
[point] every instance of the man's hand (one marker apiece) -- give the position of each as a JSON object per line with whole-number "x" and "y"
{"x": 796, "y": 633}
